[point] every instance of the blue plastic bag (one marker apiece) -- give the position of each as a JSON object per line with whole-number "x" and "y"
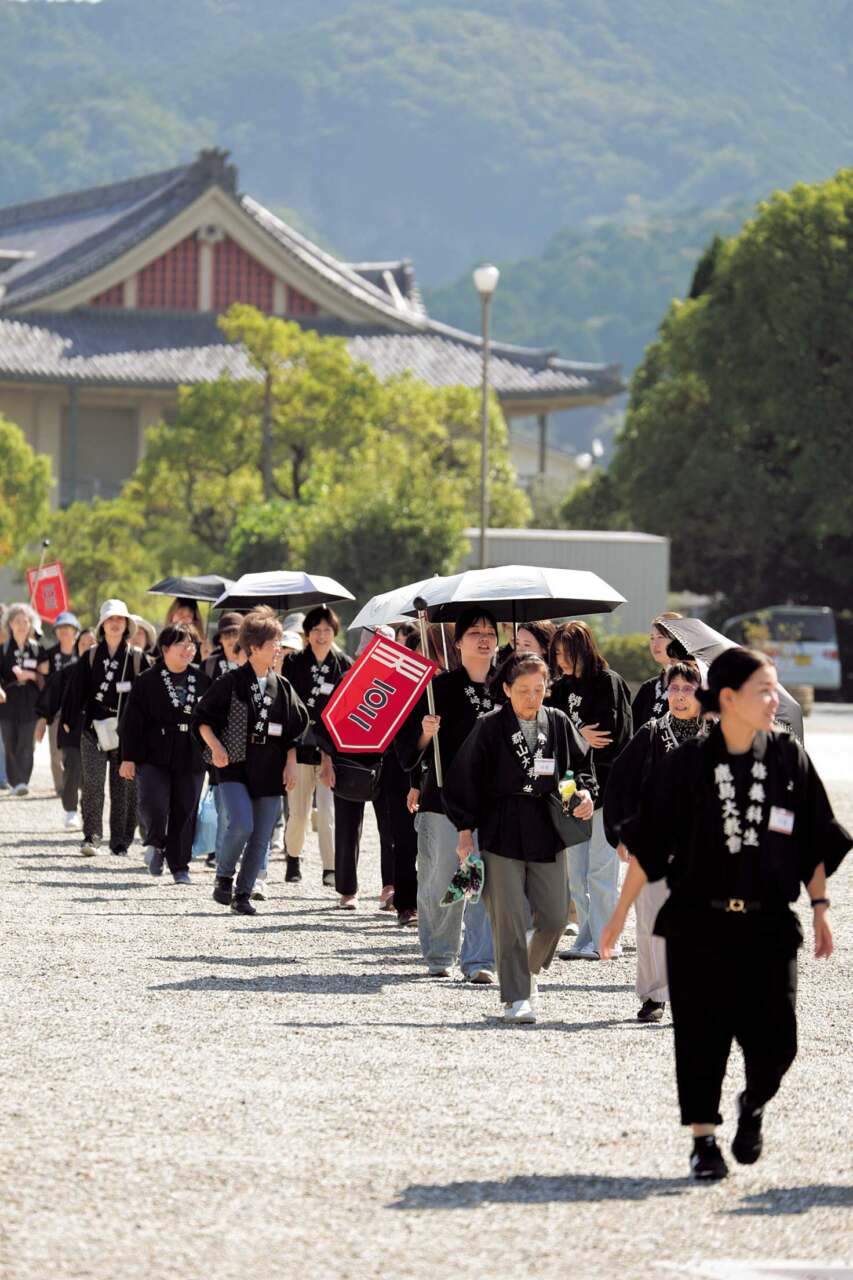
{"x": 204, "y": 841}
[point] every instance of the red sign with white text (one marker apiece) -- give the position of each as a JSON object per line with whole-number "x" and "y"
{"x": 48, "y": 591}
{"x": 375, "y": 696}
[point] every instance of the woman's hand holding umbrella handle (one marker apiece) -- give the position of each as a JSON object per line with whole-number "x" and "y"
{"x": 430, "y": 726}
{"x": 464, "y": 845}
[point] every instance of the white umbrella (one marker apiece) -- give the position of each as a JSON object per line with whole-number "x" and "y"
{"x": 389, "y": 606}
{"x": 282, "y": 589}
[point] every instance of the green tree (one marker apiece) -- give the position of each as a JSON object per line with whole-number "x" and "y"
{"x": 24, "y": 489}
{"x": 103, "y": 553}
{"x": 736, "y": 442}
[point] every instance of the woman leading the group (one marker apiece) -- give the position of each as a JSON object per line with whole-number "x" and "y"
{"x": 21, "y": 683}
{"x": 158, "y": 750}
{"x": 315, "y": 673}
{"x": 461, "y": 698}
{"x": 251, "y": 720}
{"x": 499, "y": 784}
{"x": 629, "y": 776}
{"x": 95, "y": 697}
{"x": 598, "y": 703}
{"x": 736, "y": 822}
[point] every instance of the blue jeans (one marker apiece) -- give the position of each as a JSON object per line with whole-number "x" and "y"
{"x": 440, "y": 929}
{"x": 248, "y": 827}
{"x": 594, "y": 884}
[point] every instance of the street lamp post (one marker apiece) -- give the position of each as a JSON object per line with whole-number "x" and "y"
{"x": 486, "y": 281}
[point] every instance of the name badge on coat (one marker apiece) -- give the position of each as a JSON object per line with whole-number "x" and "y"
{"x": 123, "y": 686}
{"x": 29, "y": 664}
{"x": 273, "y": 729}
{"x": 781, "y": 820}
{"x": 327, "y": 687}
{"x": 543, "y": 767}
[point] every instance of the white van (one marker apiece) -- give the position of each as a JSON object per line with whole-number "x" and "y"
{"x": 801, "y": 640}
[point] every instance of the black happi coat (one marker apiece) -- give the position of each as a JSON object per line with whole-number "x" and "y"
{"x": 307, "y": 676}
{"x": 21, "y": 696}
{"x": 50, "y": 698}
{"x": 650, "y": 701}
{"x": 460, "y": 701}
{"x": 678, "y": 834}
{"x": 216, "y": 665}
{"x": 263, "y": 769}
{"x": 630, "y": 772}
{"x": 488, "y": 787}
{"x": 80, "y": 701}
{"x": 605, "y": 700}
{"x": 154, "y": 731}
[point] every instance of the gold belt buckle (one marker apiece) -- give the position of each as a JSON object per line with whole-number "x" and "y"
{"x": 736, "y": 904}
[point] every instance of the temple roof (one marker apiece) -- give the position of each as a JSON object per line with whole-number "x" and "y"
{"x": 166, "y": 349}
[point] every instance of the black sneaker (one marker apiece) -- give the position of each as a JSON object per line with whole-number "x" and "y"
{"x": 118, "y": 849}
{"x": 329, "y": 878}
{"x": 706, "y": 1160}
{"x": 293, "y": 872}
{"x": 747, "y": 1142}
{"x": 222, "y": 890}
{"x": 652, "y": 1011}
{"x": 242, "y": 905}
{"x": 210, "y": 860}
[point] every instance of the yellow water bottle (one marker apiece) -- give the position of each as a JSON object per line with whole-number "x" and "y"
{"x": 568, "y": 788}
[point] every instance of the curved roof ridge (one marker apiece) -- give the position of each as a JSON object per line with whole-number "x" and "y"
{"x": 547, "y": 355}
{"x": 91, "y": 197}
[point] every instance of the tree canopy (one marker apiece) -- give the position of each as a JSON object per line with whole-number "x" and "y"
{"x": 736, "y": 443}
{"x": 24, "y": 491}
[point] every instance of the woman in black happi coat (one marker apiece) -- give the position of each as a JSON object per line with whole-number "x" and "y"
{"x": 21, "y": 683}
{"x": 737, "y": 822}
{"x": 158, "y": 749}
{"x": 498, "y": 784}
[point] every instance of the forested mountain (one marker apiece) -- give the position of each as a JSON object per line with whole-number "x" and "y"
{"x": 448, "y": 131}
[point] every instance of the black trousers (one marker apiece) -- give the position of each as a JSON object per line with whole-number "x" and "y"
{"x": 349, "y": 819}
{"x": 19, "y": 745}
{"x": 168, "y": 803}
{"x": 404, "y": 838}
{"x": 95, "y": 766}
{"x": 71, "y": 768}
{"x": 741, "y": 986}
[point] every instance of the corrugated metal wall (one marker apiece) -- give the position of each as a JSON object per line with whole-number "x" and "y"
{"x": 636, "y": 564}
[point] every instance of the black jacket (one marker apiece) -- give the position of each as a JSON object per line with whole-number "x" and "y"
{"x": 85, "y": 699}
{"x": 604, "y": 700}
{"x": 154, "y": 731}
{"x": 262, "y": 770}
{"x": 314, "y": 683}
{"x": 50, "y": 704}
{"x": 630, "y": 773}
{"x": 650, "y": 701}
{"x": 487, "y": 787}
{"x": 21, "y": 696}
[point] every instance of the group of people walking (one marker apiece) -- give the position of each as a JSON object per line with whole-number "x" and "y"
{"x": 532, "y": 763}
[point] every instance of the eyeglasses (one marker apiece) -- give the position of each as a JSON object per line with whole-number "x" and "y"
{"x": 682, "y": 688}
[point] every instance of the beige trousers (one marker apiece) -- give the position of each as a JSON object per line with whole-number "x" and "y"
{"x": 651, "y": 950}
{"x": 510, "y": 885}
{"x": 299, "y": 806}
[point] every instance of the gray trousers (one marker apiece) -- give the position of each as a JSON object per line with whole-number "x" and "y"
{"x": 651, "y": 951}
{"x": 510, "y": 885}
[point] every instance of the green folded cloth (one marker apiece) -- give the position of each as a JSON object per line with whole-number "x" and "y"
{"x": 467, "y": 883}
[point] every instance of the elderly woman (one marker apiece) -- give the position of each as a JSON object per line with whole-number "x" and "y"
{"x": 499, "y": 784}
{"x": 597, "y": 701}
{"x": 21, "y": 683}
{"x": 95, "y": 697}
{"x": 629, "y": 775}
{"x": 737, "y": 822}
{"x": 158, "y": 750}
{"x": 259, "y": 715}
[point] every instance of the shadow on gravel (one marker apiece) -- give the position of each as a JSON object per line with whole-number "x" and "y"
{"x": 536, "y": 1189}
{"x": 39, "y": 844}
{"x": 304, "y": 984}
{"x": 309, "y": 927}
{"x": 87, "y": 884}
{"x": 246, "y": 962}
{"x": 786, "y": 1200}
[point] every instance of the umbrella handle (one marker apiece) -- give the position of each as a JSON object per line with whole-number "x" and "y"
{"x": 422, "y": 623}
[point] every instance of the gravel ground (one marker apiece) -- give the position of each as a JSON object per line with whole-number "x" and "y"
{"x": 192, "y": 1094}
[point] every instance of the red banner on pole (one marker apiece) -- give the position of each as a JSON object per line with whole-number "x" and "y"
{"x": 375, "y": 696}
{"x": 48, "y": 591}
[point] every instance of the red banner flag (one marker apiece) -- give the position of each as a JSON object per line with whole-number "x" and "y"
{"x": 48, "y": 592}
{"x": 375, "y": 696}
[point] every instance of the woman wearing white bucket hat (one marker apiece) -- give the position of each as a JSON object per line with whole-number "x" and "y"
{"x": 98, "y": 690}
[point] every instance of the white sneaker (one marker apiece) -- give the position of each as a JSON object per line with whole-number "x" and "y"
{"x": 21, "y": 789}
{"x": 70, "y": 820}
{"x": 440, "y": 971}
{"x": 481, "y": 978}
{"x": 259, "y": 891}
{"x": 519, "y": 1011}
{"x": 88, "y": 848}
{"x": 571, "y": 930}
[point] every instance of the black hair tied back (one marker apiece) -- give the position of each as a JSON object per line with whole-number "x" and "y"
{"x": 730, "y": 670}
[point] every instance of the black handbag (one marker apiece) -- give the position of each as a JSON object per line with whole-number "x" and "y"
{"x": 570, "y": 829}
{"x": 233, "y": 736}
{"x": 355, "y": 781}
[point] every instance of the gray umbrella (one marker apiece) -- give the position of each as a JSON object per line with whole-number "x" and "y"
{"x": 705, "y": 643}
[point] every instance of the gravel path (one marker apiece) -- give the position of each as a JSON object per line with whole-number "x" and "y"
{"x": 190, "y": 1094}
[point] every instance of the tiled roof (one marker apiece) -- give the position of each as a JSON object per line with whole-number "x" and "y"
{"x": 164, "y": 350}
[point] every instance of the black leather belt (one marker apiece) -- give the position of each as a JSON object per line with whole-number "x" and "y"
{"x": 179, "y": 728}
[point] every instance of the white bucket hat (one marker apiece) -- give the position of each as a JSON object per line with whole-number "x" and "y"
{"x": 113, "y": 609}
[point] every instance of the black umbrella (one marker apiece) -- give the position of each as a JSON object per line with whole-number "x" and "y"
{"x": 704, "y": 642}
{"x": 282, "y": 589}
{"x": 208, "y": 586}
